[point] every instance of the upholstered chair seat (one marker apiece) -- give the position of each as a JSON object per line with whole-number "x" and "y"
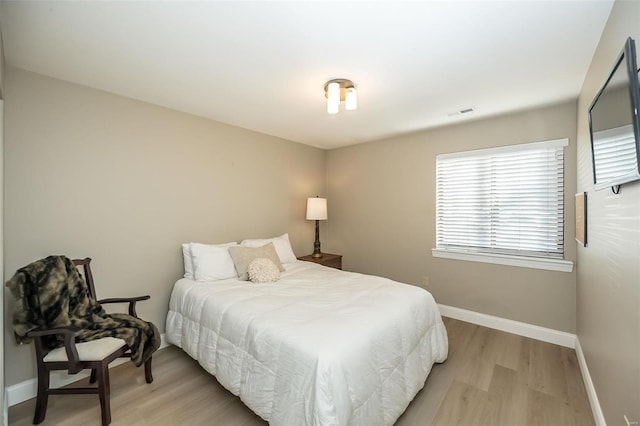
{"x": 94, "y": 350}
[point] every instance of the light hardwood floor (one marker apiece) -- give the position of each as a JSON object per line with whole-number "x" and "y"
{"x": 491, "y": 378}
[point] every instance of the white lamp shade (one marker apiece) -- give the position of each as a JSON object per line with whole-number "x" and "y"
{"x": 351, "y": 99}
{"x": 316, "y": 208}
{"x": 333, "y": 93}
{"x": 333, "y": 98}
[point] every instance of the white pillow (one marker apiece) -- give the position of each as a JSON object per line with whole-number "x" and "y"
{"x": 281, "y": 243}
{"x": 209, "y": 262}
{"x": 188, "y": 262}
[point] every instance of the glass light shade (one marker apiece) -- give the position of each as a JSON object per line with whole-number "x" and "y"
{"x": 333, "y": 98}
{"x": 333, "y": 93}
{"x": 316, "y": 208}
{"x": 351, "y": 99}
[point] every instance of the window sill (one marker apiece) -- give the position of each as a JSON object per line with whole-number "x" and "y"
{"x": 504, "y": 259}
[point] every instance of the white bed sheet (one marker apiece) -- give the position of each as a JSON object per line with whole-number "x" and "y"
{"x": 319, "y": 347}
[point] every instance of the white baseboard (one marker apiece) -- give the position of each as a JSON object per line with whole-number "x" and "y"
{"x": 23, "y": 391}
{"x": 549, "y": 335}
{"x": 598, "y": 416}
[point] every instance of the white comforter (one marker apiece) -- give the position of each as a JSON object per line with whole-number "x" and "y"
{"x": 318, "y": 347}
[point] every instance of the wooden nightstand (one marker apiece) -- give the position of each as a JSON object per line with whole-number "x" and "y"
{"x": 330, "y": 260}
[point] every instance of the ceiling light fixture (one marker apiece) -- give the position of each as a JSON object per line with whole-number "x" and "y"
{"x": 340, "y": 90}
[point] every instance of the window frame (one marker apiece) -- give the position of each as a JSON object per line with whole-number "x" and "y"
{"x": 476, "y": 254}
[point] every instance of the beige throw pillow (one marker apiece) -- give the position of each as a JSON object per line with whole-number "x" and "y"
{"x": 243, "y": 256}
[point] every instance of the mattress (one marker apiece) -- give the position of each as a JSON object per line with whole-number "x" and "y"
{"x": 318, "y": 347}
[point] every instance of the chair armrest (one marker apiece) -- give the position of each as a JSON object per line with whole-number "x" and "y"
{"x": 39, "y": 332}
{"x": 130, "y": 300}
{"x": 69, "y": 334}
{"x": 124, "y": 299}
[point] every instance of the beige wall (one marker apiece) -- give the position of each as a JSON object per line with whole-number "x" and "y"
{"x": 608, "y": 270}
{"x": 2, "y": 371}
{"x": 3, "y": 402}
{"x": 88, "y": 173}
{"x": 382, "y": 198}
{"x": 1, "y": 66}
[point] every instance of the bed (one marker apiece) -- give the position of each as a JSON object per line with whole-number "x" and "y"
{"x": 318, "y": 347}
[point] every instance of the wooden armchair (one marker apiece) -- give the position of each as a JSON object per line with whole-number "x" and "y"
{"x": 75, "y": 357}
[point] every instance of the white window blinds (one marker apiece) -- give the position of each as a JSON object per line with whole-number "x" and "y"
{"x": 507, "y": 200}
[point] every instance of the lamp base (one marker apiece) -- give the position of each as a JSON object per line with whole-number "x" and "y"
{"x": 316, "y": 244}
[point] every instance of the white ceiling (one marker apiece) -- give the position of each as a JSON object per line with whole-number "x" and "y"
{"x": 263, "y": 65}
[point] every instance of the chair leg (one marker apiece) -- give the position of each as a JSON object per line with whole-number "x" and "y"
{"x": 43, "y": 394}
{"x": 93, "y": 377}
{"x": 104, "y": 393}
{"x": 147, "y": 370}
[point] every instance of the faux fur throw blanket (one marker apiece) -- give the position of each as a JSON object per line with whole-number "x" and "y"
{"x": 51, "y": 293}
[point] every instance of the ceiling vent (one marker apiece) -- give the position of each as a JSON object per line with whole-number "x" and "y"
{"x": 461, "y": 112}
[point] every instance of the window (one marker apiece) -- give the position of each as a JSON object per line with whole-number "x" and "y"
{"x": 503, "y": 205}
